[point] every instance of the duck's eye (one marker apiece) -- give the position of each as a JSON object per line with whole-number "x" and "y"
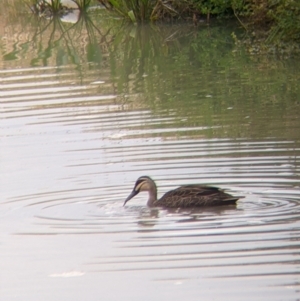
{"x": 139, "y": 185}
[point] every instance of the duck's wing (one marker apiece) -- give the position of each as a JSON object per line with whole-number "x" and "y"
{"x": 196, "y": 195}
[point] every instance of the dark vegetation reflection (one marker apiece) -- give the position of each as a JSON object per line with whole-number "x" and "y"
{"x": 171, "y": 69}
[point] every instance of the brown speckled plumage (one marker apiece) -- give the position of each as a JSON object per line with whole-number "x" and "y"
{"x": 183, "y": 196}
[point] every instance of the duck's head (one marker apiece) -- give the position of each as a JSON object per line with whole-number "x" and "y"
{"x": 143, "y": 183}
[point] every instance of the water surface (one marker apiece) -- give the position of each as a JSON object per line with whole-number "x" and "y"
{"x": 88, "y": 108}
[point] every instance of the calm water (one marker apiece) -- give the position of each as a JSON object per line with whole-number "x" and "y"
{"x": 88, "y": 108}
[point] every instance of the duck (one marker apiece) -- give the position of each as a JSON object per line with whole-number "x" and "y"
{"x": 194, "y": 195}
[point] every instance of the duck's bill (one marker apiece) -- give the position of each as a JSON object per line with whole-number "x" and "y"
{"x": 132, "y": 194}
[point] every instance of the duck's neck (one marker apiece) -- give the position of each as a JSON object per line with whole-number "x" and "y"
{"x": 152, "y": 197}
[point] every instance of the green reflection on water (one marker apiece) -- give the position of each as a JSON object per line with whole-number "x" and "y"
{"x": 205, "y": 80}
{"x": 198, "y": 76}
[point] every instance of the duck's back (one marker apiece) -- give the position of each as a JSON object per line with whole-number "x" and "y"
{"x": 195, "y": 196}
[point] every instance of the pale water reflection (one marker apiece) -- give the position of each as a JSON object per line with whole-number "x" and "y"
{"x": 76, "y": 135}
